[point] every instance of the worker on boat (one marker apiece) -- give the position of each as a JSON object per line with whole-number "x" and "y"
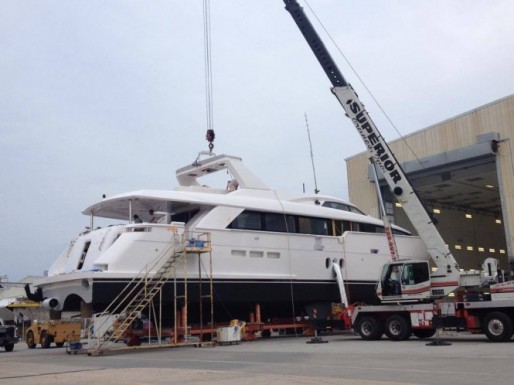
{"x": 138, "y": 220}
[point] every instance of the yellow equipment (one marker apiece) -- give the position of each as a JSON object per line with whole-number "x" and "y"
{"x": 56, "y": 331}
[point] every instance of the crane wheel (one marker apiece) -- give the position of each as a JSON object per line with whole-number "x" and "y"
{"x": 397, "y": 328}
{"x": 498, "y": 326}
{"x": 266, "y": 333}
{"x": 370, "y": 329}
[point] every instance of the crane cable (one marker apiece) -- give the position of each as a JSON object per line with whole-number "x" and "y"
{"x": 208, "y": 73}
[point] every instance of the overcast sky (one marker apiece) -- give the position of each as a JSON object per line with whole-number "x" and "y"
{"x": 104, "y": 97}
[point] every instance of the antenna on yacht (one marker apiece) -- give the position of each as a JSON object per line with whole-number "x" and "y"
{"x": 312, "y": 156}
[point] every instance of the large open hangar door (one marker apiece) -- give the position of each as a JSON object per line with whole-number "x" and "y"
{"x": 462, "y": 191}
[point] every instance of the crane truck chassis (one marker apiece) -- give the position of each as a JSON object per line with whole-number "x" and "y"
{"x": 494, "y": 318}
{"x": 413, "y": 301}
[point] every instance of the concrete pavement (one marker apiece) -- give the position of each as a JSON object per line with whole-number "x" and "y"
{"x": 344, "y": 360}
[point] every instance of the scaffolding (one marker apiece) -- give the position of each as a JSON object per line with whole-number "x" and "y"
{"x": 117, "y": 322}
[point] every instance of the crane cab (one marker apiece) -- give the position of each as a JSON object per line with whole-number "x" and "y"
{"x": 404, "y": 281}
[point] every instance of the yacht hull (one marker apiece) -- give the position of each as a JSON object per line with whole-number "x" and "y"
{"x": 232, "y": 298}
{"x": 236, "y": 299}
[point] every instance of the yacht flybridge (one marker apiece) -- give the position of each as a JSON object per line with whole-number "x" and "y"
{"x": 267, "y": 247}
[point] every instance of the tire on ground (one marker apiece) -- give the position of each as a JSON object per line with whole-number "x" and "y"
{"x": 31, "y": 344}
{"x": 398, "y": 328}
{"x": 9, "y": 347}
{"x": 498, "y": 326}
{"x": 46, "y": 340}
{"x": 370, "y": 328}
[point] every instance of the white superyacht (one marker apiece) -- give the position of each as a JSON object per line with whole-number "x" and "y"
{"x": 268, "y": 247}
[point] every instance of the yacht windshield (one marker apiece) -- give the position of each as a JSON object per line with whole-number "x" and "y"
{"x": 342, "y": 206}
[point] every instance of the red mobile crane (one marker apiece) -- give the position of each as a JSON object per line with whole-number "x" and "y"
{"x": 414, "y": 299}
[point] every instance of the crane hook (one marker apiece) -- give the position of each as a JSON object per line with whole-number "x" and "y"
{"x": 210, "y": 138}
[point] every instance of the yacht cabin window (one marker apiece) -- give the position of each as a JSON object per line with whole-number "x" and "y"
{"x": 274, "y": 222}
{"x": 83, "y": 255}
{"x": 184, "y": 216}
{"x": 342, "y": 206}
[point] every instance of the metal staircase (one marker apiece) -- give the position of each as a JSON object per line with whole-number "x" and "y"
{"x": 139, "y": 293}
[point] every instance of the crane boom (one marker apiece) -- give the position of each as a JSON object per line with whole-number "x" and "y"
{"x": 446, "y": 278}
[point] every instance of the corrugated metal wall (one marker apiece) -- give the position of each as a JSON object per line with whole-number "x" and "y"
{"x": 454, "y": 133}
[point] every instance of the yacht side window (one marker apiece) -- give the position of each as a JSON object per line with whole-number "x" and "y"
{"x": 247, "y": 220}
{"x": 338, "y": 227}
{"x": 83, "y": 255}
{"x": 304, "y": 225}
{"x": 275, "y": 222}
{"x": 292, "y": 225}
{"x": 317, "y": 226}
{"x": 184, "y": 216}
{"x": 341, "y": 226}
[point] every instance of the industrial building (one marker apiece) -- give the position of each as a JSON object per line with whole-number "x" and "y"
{"x": 463, "y": 171}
